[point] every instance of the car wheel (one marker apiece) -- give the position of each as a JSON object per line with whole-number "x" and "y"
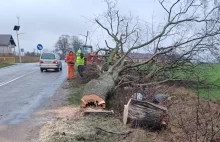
{"x": 41, "y": 70}
{"x": 61, "y": 68}
{"x": 57, "y": 70}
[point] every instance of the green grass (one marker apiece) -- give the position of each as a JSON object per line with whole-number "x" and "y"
{"x": 76, "y": 94}
{"x": 210, "y": 73}
{"x": 2, "y": 65}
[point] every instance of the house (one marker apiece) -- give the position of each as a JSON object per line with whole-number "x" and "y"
{"x": 139, "y": 57}
{"x": 7, "y": 44}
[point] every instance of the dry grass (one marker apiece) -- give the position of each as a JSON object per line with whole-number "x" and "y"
{"x": 191, "y": 119}
{"x": 25, "y": 59}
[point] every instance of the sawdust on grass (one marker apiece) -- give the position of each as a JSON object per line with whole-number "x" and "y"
{"x": 71, "y": 126}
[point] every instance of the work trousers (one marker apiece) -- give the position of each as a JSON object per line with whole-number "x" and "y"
{"x": 80, "y": 70}
{"x": 70, "y": 71}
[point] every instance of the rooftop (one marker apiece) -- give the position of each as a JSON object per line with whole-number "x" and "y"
{"x": 6, "y": 39}
{"x": 140, "y": 55}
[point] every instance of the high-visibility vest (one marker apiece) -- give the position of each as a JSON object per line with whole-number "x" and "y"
{"x": 80, "y": 61}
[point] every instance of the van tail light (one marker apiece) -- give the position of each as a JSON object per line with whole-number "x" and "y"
{"x": 41, "y": 62}
{"x": 55, "y": 62}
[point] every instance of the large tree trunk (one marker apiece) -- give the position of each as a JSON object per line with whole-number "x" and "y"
{"x": 144, "y": 114}
{"x": 96, "y": 91}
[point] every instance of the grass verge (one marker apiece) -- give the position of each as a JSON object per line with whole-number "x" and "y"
{"x": 76, "y": 94}
{"x": 2, "y": 65}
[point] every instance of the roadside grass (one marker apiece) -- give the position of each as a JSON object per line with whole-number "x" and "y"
{"x": 76, "y": 90}
{"x": 2, "y": 65}
{"x": 76, "y": 94}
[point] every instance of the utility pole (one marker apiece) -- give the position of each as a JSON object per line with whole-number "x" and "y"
{"x": 87, "y": 34}
{"x": 18, "y": 44}
{"x": 16, "y": 28}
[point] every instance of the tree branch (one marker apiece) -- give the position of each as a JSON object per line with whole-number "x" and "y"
{"x": 159, "y": 82}
{"x": 108, "y": 45}
{"x": 112, "y": 35}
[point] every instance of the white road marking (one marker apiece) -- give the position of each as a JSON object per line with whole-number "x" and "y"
{"x": 5, "y": 83}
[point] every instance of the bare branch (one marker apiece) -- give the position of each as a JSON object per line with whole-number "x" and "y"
{"x": 161, "y": 3}
{"x": 108, "y": 45}
{"x": 112, "y": 35}
{"x": 118, "y": 22}
{"x": 171, "y": 9}
{"x": 102, "y": 49}
{"x": 159, "y": 82}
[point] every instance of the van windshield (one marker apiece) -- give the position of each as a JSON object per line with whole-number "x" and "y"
{"x": 47, "y": 56}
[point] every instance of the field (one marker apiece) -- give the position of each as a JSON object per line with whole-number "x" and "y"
{"x": 204, "y": 80}
{"x": 210, "y": 73}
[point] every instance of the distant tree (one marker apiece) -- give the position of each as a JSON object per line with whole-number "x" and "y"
{"x": 75, "y": 43}
{"x": 32, "y": 54}
{"x": 62, "y": 44}
{"x": 45, "y": 50}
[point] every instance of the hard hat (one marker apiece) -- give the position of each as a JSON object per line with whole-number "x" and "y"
{"x": 79, "y": 51}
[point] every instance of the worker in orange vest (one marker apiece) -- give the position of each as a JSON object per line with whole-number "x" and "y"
{"x": 70, "y": 59}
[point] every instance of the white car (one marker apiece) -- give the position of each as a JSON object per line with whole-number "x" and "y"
{"x": 50, "y": 60}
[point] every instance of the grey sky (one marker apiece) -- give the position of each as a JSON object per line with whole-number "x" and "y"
{"x": 43, "y": 21}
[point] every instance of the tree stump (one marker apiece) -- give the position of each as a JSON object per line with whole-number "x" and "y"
{"x": 145, "y": 115}
{"x": 96, "y": 91}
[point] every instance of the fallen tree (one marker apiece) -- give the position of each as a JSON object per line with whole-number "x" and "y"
{"x": 167, "y": 57}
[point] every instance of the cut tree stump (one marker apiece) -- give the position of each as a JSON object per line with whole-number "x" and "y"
{"x": 92, "y": 100}
{"x": 145, "y": 115}
{"x": 98, "y": 112}
{"x": 96, "y": 91}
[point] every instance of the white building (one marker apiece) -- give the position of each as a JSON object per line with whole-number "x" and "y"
{"x": 7, "y": 44}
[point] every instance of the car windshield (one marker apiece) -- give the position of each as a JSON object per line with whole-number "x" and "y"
{"x": 48, "y": 56}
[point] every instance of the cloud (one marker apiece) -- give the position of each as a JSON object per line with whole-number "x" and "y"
{"x": 43, "y": 21}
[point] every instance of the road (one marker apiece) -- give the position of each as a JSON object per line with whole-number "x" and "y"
{"x": 23, "y": 89}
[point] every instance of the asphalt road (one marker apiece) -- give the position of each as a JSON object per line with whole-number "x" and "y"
{"x": 23, "y": 89}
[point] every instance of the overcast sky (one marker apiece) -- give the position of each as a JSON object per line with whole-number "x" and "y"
{"x": 43, "y": 21}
